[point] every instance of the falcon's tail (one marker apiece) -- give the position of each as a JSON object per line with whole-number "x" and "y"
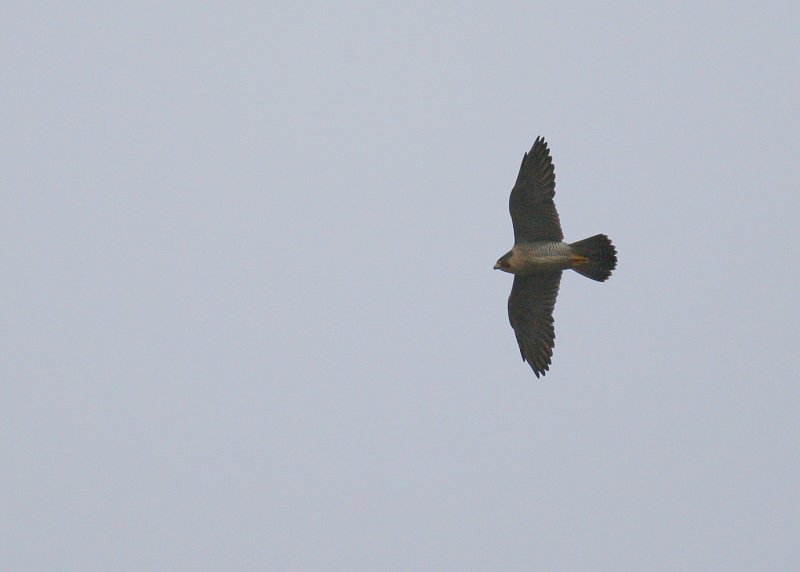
{"x": 594, "y": 257}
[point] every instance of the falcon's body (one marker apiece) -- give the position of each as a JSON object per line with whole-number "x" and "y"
{"x": 540, "y": 255}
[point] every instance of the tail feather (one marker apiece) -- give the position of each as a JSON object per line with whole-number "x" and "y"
{"x": 598, "y": 257}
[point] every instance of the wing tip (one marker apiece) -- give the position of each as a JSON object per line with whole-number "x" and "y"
{"x": 540, "y": 370}
{"x": 541, "y": 364}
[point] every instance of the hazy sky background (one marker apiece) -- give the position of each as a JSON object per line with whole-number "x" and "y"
{"x": 250, "y": 320}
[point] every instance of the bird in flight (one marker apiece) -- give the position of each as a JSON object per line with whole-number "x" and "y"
{"x": 540, "y": 255}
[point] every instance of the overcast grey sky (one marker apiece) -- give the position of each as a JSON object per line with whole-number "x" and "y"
{"x": 250, "y": 320}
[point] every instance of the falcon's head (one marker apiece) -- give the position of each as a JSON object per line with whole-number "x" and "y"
{"x": 504, "y": 263}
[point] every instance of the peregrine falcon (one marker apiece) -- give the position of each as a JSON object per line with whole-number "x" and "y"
{"x": 540, "y": 255}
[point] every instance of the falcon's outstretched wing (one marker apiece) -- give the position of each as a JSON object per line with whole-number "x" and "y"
{"x": 533, "y": 211}
{"x": 530, "y": 311}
